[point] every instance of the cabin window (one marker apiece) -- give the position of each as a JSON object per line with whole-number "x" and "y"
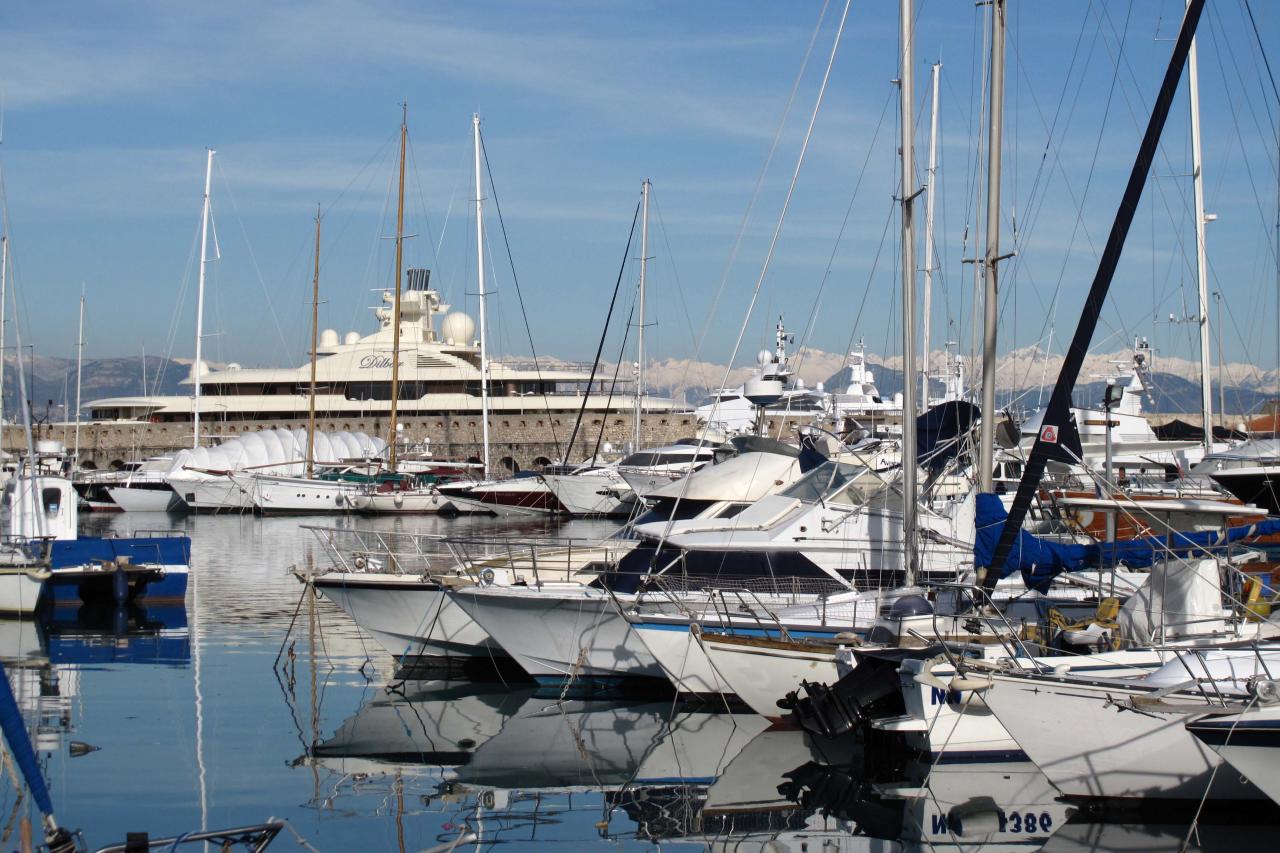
{"x": 51, "y": 500}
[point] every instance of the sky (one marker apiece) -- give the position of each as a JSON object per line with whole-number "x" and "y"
{"x": 109, "y": 108}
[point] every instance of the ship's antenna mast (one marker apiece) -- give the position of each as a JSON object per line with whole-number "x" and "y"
{"x": 932, "y": 184}
{"x": 315, "y": 322}
{"x": 644, "y": 268}
{"x": 204, "y": 245}
{"x": 79, "y": 368}
{"x": 395, "y": 311}
{"x": 484, "y": 354}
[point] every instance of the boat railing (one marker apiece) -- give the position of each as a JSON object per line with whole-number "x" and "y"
{"x": 393, "y": 552}
{"x": 755, "y": 601}
{"x": 538, "y": 559}
{"x": 354, "y": 551}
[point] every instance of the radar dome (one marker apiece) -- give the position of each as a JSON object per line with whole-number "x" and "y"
{"x": 329, "y": 338}
{"x": 204, "y": 368}
{"x": 351, "y": 338}
{"x": 764, "y": 357}
{"x": 457, "y": 328}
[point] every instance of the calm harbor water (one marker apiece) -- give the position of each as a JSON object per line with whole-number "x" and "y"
{"x": 219, "y": 714}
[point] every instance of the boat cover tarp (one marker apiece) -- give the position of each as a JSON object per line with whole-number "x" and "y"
{"x": 1180, "y": 430}
{"x": 1040, "y": 560}
{"x": 939, "y": 432}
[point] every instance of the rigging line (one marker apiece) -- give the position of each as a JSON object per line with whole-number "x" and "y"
{"x": 253, "y": 259}
{"x": 871, "y": 276}
{"x": 1275, "y": 90}
{"x": 422, "y": 202}
{"x": 773, "y": 243}
{"x": 786, "y": 204}
{"x": 756, "y": 190}
{"x": 671, "y": 258}
{"x": 515, "y": 279}
{"x": 1235, "y": 125}
{"x": 158, "y": 376}
{"x": 613, "y": 385}
{"x": 595, "y": 365}
{"x": 1080, "y": 203}
{"x": 835, "y": 248}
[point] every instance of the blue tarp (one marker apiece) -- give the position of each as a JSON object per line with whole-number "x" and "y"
{"x": 1039, "y": 560}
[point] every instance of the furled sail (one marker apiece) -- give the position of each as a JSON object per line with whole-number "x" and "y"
{"x": 1040, "y": 559}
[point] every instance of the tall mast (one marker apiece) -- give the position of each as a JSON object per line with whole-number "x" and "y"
{"x": 79, "y": 367}
{"x": 908, "y": 300}
{"x": 315, "y": 323}
{"x": 4, "y": 286}
{"x": 395, "y": 311}
{"x": 204, "y": 259}
{"x": 644, "y": 268}
{"x": 991, "y": 257}
{"x": 1202, "y": 263}
{"x": 484, "y": 353}
{"x": 931, "y": 181}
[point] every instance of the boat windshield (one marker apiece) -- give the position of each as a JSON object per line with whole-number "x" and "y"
{"x": 836, "y": 482}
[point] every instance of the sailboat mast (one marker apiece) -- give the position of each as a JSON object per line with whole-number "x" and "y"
{"x": 906, "y": 108}
{"x": 644, "y": 268}
{"x": 4, "y": 287}
{"x": 204, "y": 259}
{"x": 991, "y": 306}
{"x": 79, "y": 369}
{"x": 1202, "y": 263}
{"x": 395, "y": 311}
{"x": 315, "y": 323}
{"x": 484, "y": 353}
{"x": 932, "y": 183}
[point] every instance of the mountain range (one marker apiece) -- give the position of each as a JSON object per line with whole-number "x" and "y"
{"x": 1025, "y": 377}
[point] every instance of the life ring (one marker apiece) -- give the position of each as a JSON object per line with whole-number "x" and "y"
{"x": 360, "y": 561}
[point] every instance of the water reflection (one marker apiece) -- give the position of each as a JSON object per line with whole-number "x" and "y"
{"x": 355, "y": 758}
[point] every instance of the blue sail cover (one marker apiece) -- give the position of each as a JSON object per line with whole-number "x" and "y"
{"x": 1040, "y": 560}
{"x": 15, "y": 732}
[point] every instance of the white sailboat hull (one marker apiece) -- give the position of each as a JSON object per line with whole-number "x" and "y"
{"x": 20, "y": 590}
{"x": 682, "y": 658}
{"x": 1248, "y": 742}
{"x": 418, "y": 501}
{"x": 760, "y": 672}
{"x": 558, "y": 632}
{"x": 212, "y": 494}
{"x": 297, "y": 495}
{"x": 591, "y": 493}
{"x": 1090, "y": 744}
{"x": 131, "y": 499}
{"x": 408, "y": 617}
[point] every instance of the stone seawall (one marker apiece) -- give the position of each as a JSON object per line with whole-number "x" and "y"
{"x": 515, "y": 440}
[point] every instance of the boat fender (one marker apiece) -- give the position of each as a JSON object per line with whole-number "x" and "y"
{"x": 120, "y": 586}
{"x": 398, "y": 500}
{"x": 977, "y": 685}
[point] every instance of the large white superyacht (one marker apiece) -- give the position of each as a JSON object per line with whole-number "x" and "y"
{"x": 439, "y": 377}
